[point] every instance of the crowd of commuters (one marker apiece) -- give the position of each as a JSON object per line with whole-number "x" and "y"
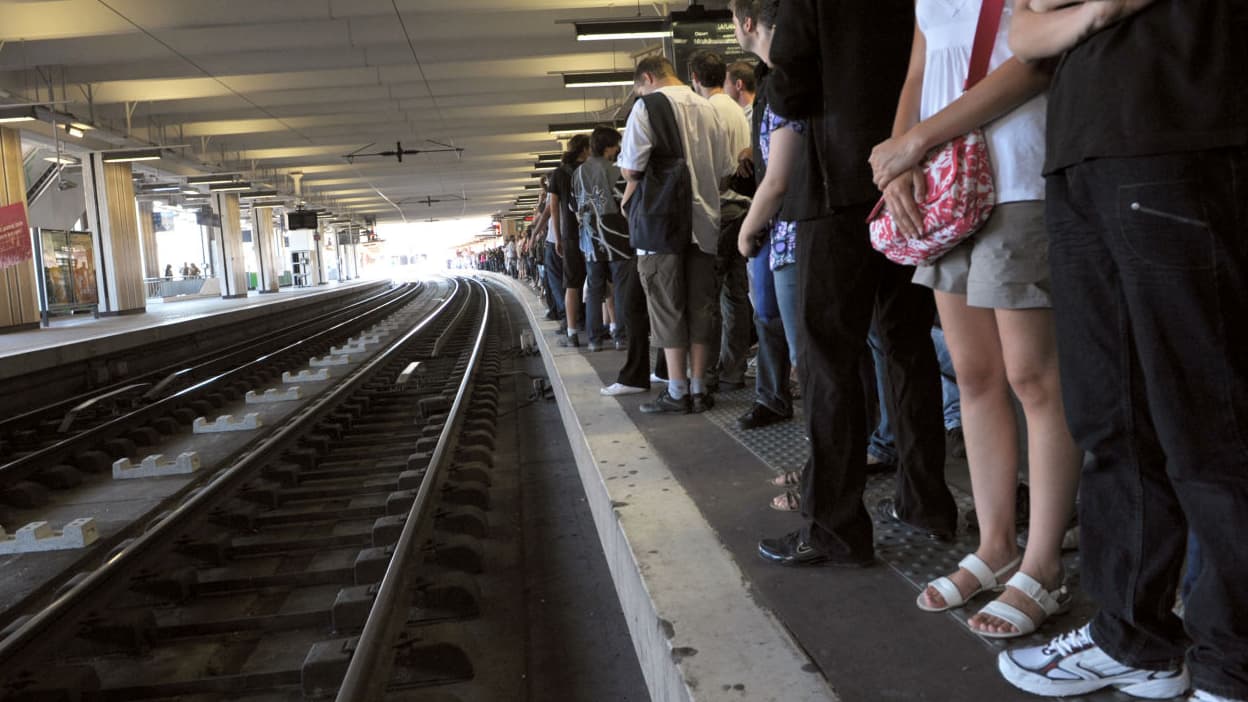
{"x": 1097, "y": 298}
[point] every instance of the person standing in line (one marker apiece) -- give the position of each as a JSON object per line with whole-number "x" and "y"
{"x": 708, "y": 74}
{"x": 1146, "y": 163}
{"x": 603, "y": 229}
{"x": 676, "y": 259}
{"x": 741, "y": 85}
{"x": 839, "y": 67}
{"x": 994, "y": 298}
{"x": 562, "y": 208}
{"x": 754, "y": 25}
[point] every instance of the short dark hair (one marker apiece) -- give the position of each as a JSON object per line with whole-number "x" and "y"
{"x": 709, "y": 67}
{"x": 602, "y": 139}
{"x": 743, "y": 71}
{"x": 760, "y": 11}
{"x": 657, "y": 66}
{"x": 577, "y": 144}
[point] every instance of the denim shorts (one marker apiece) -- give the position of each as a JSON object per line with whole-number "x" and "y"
{"x": 1005, "y": 265}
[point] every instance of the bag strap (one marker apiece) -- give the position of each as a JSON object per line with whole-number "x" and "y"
{"x": 986, "y": 31}
{"x": 663, "y": 124}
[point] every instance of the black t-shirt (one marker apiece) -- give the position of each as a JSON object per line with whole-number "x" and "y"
{"x": 561, "y": 185}
{"x": 1171, "y": 79}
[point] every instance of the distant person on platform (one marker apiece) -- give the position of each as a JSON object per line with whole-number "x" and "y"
{"x": 728, "y": 352}
{"x": 168, "y": 271}
{"x": 562, "y": 208}
{"x": 676, "y": 242}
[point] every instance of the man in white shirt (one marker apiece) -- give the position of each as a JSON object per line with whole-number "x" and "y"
{"x": 708, "y": 73}
{"x": 680, "y": 284}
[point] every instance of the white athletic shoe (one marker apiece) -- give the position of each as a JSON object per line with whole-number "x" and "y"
{"x": 1072, "y": 664}
{"x": 656, "y": 379}
{"x": 617, "y": 389}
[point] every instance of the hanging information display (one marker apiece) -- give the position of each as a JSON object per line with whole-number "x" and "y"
{"x": 15, "y": 246}
{"x": 700, "y": 29}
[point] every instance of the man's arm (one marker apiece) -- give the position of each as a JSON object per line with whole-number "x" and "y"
{"x": 1046, "y": 28}
{"x": 796, "y": 85}
{"x": 552, "y": 217}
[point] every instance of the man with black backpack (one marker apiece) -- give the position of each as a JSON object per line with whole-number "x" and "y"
{"x": 675, "y": 155}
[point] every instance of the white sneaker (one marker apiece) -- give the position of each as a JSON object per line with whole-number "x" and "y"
{"x": 1072, "y": 664}
{"x": 1202, "y": 696}
{"x": 617, "y": 389}
{"x": 656, "y": 379}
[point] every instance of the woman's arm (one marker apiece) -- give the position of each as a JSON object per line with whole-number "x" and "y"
{"x": 912, "y": 89}
{"x": 1047, "y": 28}
{"x": 785, "y": 145}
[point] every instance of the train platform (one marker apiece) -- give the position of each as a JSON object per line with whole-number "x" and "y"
{"x": 75, "y": 339}
{"x": 680, "y": 503}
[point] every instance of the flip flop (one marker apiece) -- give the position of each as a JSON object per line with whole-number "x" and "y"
{"x": 787, "y": 501}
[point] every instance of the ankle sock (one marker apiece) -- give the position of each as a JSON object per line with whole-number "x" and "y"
{"x": 697, "y": 386}
{"x": 677, "y": 388}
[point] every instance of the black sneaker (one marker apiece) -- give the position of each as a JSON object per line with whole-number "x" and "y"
{"x": 702, "y": 401}
{"x": 569, "y": 341}
{"x": 621, "y": 344}
{"x": 886, "y": 509}
{"x": 955, "y": 442}
{"x": 730, "y": 385}
{"x": 794, "y": 550}
{"x": 666, "y": 403}
{"x": 760, "y": 416}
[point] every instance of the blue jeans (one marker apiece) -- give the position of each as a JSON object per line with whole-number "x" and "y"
{"x": 786, "y": 300}
{"x": 883, "y": 445}
{"x": 1149, "y": 258}
{"x": 554, "y": 280}
{"x": 597, "y": 275}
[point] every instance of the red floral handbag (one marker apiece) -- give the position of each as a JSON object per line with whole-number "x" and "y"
{"x": 960, "y": 189}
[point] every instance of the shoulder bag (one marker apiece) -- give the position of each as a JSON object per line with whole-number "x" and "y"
{"x": 960, "y": 188}
{"x": 660, "y": 210}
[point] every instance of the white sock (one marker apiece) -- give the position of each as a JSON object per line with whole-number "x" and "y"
{"x": 696, "y": 386}
{"x": 677, "y": 388}
{"x": 613, "y": 328}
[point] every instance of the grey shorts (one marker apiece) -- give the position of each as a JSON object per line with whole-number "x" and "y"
{"x": 682, "y": 295}
{"x": 1005, "y": 265}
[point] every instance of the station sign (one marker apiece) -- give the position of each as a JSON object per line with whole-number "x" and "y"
{"x": 15, "y": 244}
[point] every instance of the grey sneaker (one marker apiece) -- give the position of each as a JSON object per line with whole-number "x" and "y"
{"x": 1072, "y": 664}
{"x": 666, "y": 403}
{"x": 569, "y": 341}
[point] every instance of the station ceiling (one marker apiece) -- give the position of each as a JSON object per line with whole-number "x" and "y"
{"x": 279, "y": 86}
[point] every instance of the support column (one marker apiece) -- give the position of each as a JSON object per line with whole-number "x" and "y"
{"x": 19, "y": 296}
{"x": 267, "y": 250}
{"x": 147, "y": 236}
{"x": 318, "y": 255}
{"x": 229, "y": 264}
{"x": 114, "y": 221}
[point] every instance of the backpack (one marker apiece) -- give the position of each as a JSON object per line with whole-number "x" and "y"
{"x": 660, "y": 211}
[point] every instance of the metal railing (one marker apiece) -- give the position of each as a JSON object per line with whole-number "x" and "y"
{"x": 159, "y": 288}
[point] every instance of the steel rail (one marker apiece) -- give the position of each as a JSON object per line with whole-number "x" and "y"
{"x": 369, "y": 669}
{"x": 32, "y": 463}
{"x": 38, "y": 631}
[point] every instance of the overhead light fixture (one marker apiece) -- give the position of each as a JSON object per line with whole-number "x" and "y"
{"x": 268, "y": 203}
{"x": 74, "y": 131}
{"x": 237, "y": 186}
{"x": 128, "y": 155}
{"x": 82, "y": 126}
{"x": 215, "y": 179}
{"x": 18, "y": 114}
{"x": 191, "y": 191}
{"x": 597, "y": 80}
{"x": 259, "y": 193}
{"x": 160, "y": 188}
{"x": 63, "y": 160}
{"x": 626, "y": 28}
{"x": 570, "y": 128}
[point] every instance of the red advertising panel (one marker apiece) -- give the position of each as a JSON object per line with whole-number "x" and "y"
{"x": 14, "y": 236}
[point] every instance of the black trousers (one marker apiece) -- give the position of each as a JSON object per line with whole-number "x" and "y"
{"x": 843, "y": 282}
{"x": 1149, "y": 260}
{"x": 631, "y": 300}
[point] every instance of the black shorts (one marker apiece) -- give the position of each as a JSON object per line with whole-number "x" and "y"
{"x": 573, "y": 265}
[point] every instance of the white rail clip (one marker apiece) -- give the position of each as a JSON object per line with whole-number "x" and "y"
{"x": 413, "y": 369}
{"x": 155, "y": 466}
{"x": 330, "y": 360}
{"x": 38, "y": 536}
{"x": 226, "y": 422}
{"x": 305, "y": 376}
{"x": 274, "y": 395}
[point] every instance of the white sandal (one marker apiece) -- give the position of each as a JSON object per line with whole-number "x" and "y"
{"x": 1051, "y": 602}
{"x": 988, "y": 580}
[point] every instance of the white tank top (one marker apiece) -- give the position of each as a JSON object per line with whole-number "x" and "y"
{"x": 1015, "y": 140}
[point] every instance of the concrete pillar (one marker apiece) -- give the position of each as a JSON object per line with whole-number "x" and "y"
{"x": 114, "y": 221}
{"x": 19, "y": 295}
{"x": 268, "y": 249}
{"x": 147, "y": 237}
{"x": 318, "y": 255}
{"x": 228, "y": 262}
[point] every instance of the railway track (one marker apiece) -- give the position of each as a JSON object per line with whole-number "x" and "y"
{"x": 286, "y": 568}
